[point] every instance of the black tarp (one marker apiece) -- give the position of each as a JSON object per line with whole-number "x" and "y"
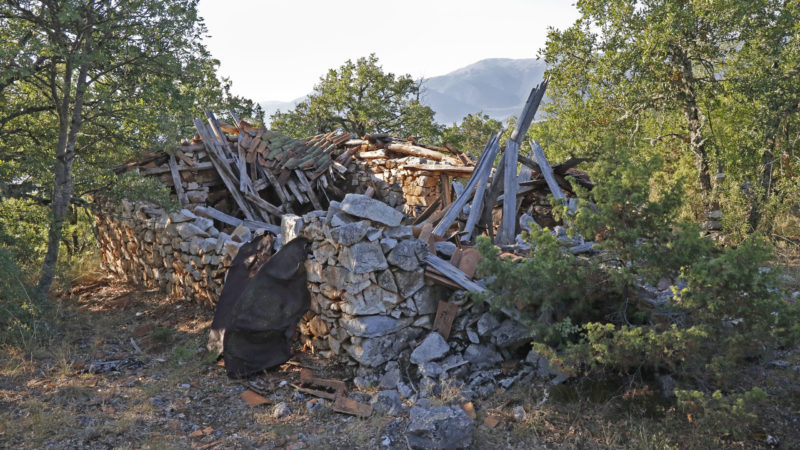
{"x": 261, "y": 303}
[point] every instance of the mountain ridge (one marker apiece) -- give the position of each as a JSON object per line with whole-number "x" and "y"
{"x": 496, "y": 86}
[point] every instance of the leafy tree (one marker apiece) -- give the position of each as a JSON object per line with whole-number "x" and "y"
{"x": 83, "y": 85}
{"x": 360, "y": 98}
{"x": 703, "y": 84}
{"x": 472, "y": 133}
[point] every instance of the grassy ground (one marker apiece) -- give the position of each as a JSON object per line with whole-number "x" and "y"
{"x": 173, "y": 395}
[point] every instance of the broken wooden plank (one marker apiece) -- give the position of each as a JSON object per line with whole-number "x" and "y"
{"x": 452, "y": 273}
{"x": 447, "y": 193}
{"x": 296, "y": 191}
{"x": 176, "y": 180}
{"x": 307, "y": 377}
{"x": 547, "y": 171}
{"x": 316, "y": 392}
{"x": 521, "y": 127}
{"x": 446, "y": 313}
{"x": 374, "y": 154}
{"x": 253, "y": 225}
{"x": 484, "y": 164}
{"x": 508, "y": 225}
{"x": 308, "y": 188}
{"x": 427, "y": 212}
{"x": 223, "y": 169}
{"x": 345, "y": 405}
{"x": 264, "y": 205}
{"x": 437, "y": 277}
{"x": 493, "y": 147}
{"x": 456, "y": 171}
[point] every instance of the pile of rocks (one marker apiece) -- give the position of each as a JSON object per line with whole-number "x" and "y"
{"x": 373, "y": 307}
{"x": 369, "y": 295}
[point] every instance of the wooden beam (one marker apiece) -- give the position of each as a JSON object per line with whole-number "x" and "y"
{"x": 413, "y": 150}
{"x": 484, "y": 163}
{"x": 306, "y": 185}
{"x": 213, "y": 213}
{"x": 447, "y": 192}
{"x": 223, "y": 169}
{"x": 456, "y": 171}
{"x": 547, "y": 172}
{"x": 264, "y": 205}
{"x": 176, "y": 180}
{"x": 477, "y": 201}
{"x": 521, "y": 127}
{"x": 510, "y": 186}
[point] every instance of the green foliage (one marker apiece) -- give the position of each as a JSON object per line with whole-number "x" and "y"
{"x": 471, "y": 135}
{"x": 359, "y": 97}
{"x": 587, "y": 313}
{"x": 636, "y": 217}
{"x": 735, "y": 415}
{"x": 702, "y": 85}
{"x": 21, "y": 311}
{"x": 84, "y": 87}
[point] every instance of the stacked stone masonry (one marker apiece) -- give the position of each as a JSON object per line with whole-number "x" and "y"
{"x": 369, "y": 294}
{"x": 410, "y": 189}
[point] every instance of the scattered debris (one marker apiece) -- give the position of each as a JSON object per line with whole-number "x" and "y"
{"x": 253, "y": 399}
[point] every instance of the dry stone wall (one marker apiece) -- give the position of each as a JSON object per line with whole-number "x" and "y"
{"x": 411, "y": 189}
{"x": 369, "y": 294}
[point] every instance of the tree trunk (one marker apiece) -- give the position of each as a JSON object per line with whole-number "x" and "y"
{"x": 765, "y": 180}
{"x": 62, "y": 178}
{"x": 695, "y": 121}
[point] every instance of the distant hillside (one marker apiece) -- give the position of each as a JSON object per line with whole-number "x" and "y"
{"x": 270, "y": 107}
{"x": 497, "y": 86}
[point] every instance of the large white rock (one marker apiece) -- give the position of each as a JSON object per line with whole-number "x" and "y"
{"x": 368, "y": 208}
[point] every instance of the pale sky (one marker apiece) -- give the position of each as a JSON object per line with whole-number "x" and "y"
{"x": 278, "y": 50}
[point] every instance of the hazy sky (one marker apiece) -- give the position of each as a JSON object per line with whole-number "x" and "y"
{"x": 278, "y": 50}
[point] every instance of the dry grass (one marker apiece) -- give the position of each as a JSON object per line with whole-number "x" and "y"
{"x": 46, "y": 400}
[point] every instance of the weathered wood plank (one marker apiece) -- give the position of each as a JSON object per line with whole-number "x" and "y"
{"x": 263, "y": 204}
{"x": 308, "y": 188}
{"x": 413, "y": 150}
{"x": 455, "y": 208}
{"x": 447, "y": 193}
{"x": 213, "y": 213}
{"x": 521, "y": 127}
{"x": 477, "y": 203}
{"x": 176, "y": 180}
{"x": 223, "y": 169}
{"x": 547, "y": 171}
{"x": 456, "y": 171}
{"x": 510, "y": 186}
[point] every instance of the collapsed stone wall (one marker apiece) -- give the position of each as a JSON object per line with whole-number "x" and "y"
{"x": 369, "y": 294}
{"x": 405, "y": 188}
{"x": 372, "y": 306}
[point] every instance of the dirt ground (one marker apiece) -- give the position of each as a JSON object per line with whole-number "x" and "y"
{"x": 159, "y": 388}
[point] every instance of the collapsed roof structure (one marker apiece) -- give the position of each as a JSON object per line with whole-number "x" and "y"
{"x": 389, "y": 224}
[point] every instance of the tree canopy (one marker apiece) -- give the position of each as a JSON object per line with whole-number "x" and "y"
{"x": 710, "y": 86}
{"x": 359, "y": 97}
{"x": 84, "y": 85}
